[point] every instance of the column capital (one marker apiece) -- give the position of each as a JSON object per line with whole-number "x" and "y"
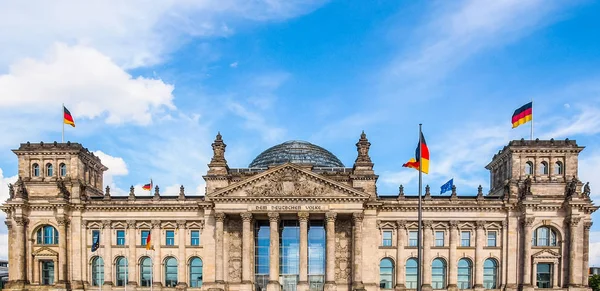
{"x": 20, "y": 221}
{"x": 246, "y": 216}
{"x": 587, "y": 225}
{"x": 62, "y": 221}
{"x": 273, "y": 216}
{"x": 480, "y": 224}
{"x": 106, "y": 223}
{"x": 330, "y": 216}
{"x": 181, "y": 224}
{"x": 573, "y": 221}
{"x": 453, "y": 224}
{"x": 528, "y": 221}
{"x": 130, "y": 224}
{"x": 220, "y": 216}
{"x": 8, "y": 224}
{"x": 357, "y": 217}
{"x": 303, "y": 216}
{"x": 155, "y": 223}
{"x": 427, "y": 224}
{"x": 401, "y": 224}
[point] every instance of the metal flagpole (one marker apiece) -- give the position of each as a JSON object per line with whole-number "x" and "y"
{"x": 420, "y": 232}
{"x": 126, "y": 266}
{"x": 531, "y": 137}
{"x": 152, "y": 265}
{"x": 98, "y": 250}
{"x": 63, "y": 123}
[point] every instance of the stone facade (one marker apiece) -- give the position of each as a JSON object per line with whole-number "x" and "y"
{"x": 530, "y": 231}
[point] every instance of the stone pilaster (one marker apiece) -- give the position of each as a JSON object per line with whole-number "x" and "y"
{"x": 427, "y": 239}
{"x": 357, "y": 244}
{"x": 181, "y": 232}
{"x": 107, "y": 255}
{"x": 131, "y": 260}
{"x": 400, "y": 260}
{"x": 247, "y": 249}
{"x": 62, "y": 250}
{"x": 156, "y": 239}
{"x": 527, "y": 223}
{"x": 586, "y": 253}
{"x": 330, "y": 252}
{"x": 273, "y": 284}
{"x": 574, "y": 271}
{"x": 479, "y": 243}
{"x": 220, "y": 219}
{"x": 19, "y": 252}
{"x": 452, "y": 260}
{"x": 303, "y": 217}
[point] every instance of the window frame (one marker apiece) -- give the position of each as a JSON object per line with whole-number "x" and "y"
{"x": 170, "y": 237}
{"x": 544, "y": 168}
{"x": 120, "y": 241}
{"x": 495, "y": 238}
{"x": 469, "y": 274}
{"x": 45, "y": 238}
{"x": 62, "y": 170}
{"x": 494, "y": 275}
{"x": 550, "y": 275}
{"x": 192, "y": 238}
{"x": 437, "y": 239}
{"x": 411, "y": 284}
{"x": 97, "y": 270}
{"x": 529, "y": 170}
{"x": 145, "y": 267}
{"x": 413, "y": 242}
{"x": 198, "y": 282}
{"x": 35, "y": 169}
{"x": 435, "y": 284}
{"x": 462, "y": 239}
{"x": 170, "y": 270}
{"x": 390, "y": 282}
{"x": 121, "y": 270}
{"x": 558, "y": 168}
{"x": 144, "y": 238}
{"x": 387, "y": 242}
{"x": 551, "y": 239}
{"x": 49, "y": 170}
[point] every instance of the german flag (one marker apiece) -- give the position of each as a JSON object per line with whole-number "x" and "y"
{"x": 67, "y": 117}
{"x": 522, "y": 115}
{"x": 148, "y": 186}
{"x": 421, "y": 156}
{"x": 149, "y": 242}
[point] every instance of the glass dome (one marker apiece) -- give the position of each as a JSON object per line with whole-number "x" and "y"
{"x": 297, "y": 152}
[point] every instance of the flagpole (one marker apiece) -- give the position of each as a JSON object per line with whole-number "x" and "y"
{"x": 126, "y": 266}
{"x": 152, "y": 267}
{"x": 531, "y": 137}
{"x": 420, "y": 232}
{"x": 63, "y": 123}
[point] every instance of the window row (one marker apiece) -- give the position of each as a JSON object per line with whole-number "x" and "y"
{"x": 49, "y": 170}
{"x": 439, "y": 274}
{"x": 145, "y": 276}
{"x": 169, "y": 238}
{"x": 543, "y": 168}
{"x": 439, "y": 238}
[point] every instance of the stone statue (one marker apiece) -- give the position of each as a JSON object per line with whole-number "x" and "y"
{"x": 11, "y": 191}
{"x": 586, "y": 189}
{"x": 362, "y": 146}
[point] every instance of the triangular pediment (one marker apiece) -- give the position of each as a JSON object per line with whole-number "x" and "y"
{"x": 45, "y": 252}
{"x": 288, "y": 180}
{"x": 546, "y": 253}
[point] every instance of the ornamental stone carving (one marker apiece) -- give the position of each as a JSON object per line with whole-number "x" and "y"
{"x": 8, "y": 224}
{"x": 62, "y": 221}
{"x": 453, "y": 224}
{"x": 288, "y": 182}
{"x": 427, "y": 224}
{"x": 343, "y": 251}
{"x": 156, "y": 223}
{"x": 357, "y": 217}
{"x": 587, "y": 225}
{"x": 106, "y": 224}
{"x": 246, "y": 216}
{"x": 234, "y": 231}
{"x": 273, "y": 216}
{"x": 401, "y": 224}
{"x": 573, "y": 221}
{"x": 330, "y": 216}
{"x": 362, "y": 146}
{"x": 303, "y": 216}
{"x": 527, "y": 222}
{"x": 131, "y": 224}
{"x": 20, "y": 221}
{"x": 480, "y": 224}
{"x": 220, "y": 217}
{"x": 181, "y": 224}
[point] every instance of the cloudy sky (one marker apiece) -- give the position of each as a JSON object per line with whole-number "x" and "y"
{"x": 150, "y": 83}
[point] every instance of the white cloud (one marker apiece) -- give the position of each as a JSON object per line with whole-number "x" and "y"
{"x": 116, "y": 165}
{"x": 88, "y": 82}
{"x": 4, "y": 246}
{"x": 234, "y": 64}
{"x": 585, "y": 122}
{"x": 133, "y": 33}
{"x": 4, "y": 181}
{"x": 588, "y": 171}
{"x": 594, "y": 248}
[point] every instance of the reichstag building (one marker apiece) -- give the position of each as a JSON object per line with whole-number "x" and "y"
{"x": 298, "y": 219}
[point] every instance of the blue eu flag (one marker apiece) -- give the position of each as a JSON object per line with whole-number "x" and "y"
{"x": 447, "y": 186}
{"x": 96, "y": 241}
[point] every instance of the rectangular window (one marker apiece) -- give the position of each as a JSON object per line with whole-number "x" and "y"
{"x": 387, "y": 238}
{"x": 195, "y": 234}
{"x": 465, "y": 239}
{"x": 145, "y": 234}
{"x": 491, "y": 239}
{"x": 170, "y": 238}
{"x": 47, "y": 272}
{"x": 439, "y": 238}
{"x": 120, "y": 237}
{"x": 544, "y": 275}
{"x": 96, "y": 236}
{"x": 412, "y": 238}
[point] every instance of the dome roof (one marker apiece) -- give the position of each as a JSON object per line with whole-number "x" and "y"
{"x": 297, "y": 152}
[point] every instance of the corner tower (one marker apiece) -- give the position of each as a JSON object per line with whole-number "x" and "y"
{"x": 549, "y": 165}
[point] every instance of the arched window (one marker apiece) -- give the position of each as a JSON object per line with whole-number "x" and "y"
{"x": 529, "y": 168}
{"x": 490, "y": 274}
{"x": 121, "y": 271}
{"x": 386, "y": 274}
{"x": 438, "y": 274}
{"x": 49, "y": 170}
{"x": 63, "y": 169}
{"x": 97, "y": 271}
{"x": 464, "y": 274}
{"x": 411, "y": 274}
{"x": 558, "y": 168}
{"x": 145, "y": 271}
{"x": 170, "y": 272}
{"x": 544, "y": 168}
{"x": 47, "y": 235}
{"x": 35, "y": 170}
{"x": 195, "y": 272}
{"x": 544, "y": 236}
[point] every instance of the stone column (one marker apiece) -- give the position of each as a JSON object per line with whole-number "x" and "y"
{"x": 357, "y": 244}
{"x": 106, "y": 241}
{"x": 156, "y": 240}
{"x": 62, "y": 249}
{"x": 273, "y": 284}
{"x": 534, "y": 271}
{"x": 131, "y": 260}
{"x": 479, "y": 243}
{"x": 181, "y": 273}
{"x": 427, "y": 234}
{"x": 246, "y": 248}
{"x": 504, "y": 262}
{"x": 84, "y": 252}
{"x": 586, "y": 253}
{"x": 574, "y": 278}
{"x": 303, "y": 217}
{"x": 220, "y": 219}
{"x": 527, "y": 222}
{"x": 330, "y": 252}
{"x": 400, "y": 259}
{"x": 19, "y": 249}
{"x": 452, "y": 261}
{"x": 555, "y": 274}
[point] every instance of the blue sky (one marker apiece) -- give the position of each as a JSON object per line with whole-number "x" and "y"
{"x": 150, "y": 85}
